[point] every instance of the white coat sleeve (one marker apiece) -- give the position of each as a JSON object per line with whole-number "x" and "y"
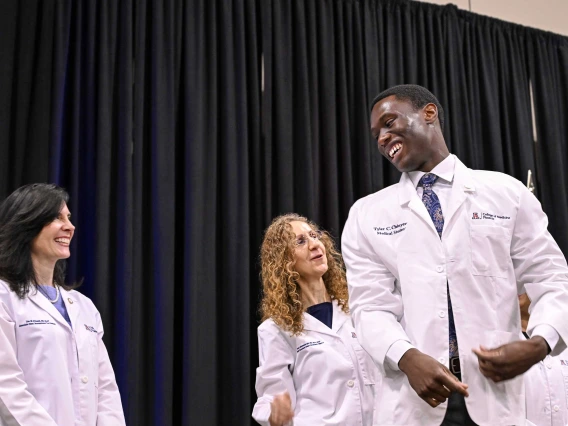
{"x": 109, "y": 409}
{"x": 273, "y": 376}
{"x": 541, "y": 268}
{"x": 18, "y": 407}
{"x": 374, "y": 300}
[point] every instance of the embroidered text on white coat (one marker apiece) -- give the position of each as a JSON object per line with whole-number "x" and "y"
{"x": 37, "y": 322}
{"x": 390, "y": 229}
{"x": 307, "y": 345}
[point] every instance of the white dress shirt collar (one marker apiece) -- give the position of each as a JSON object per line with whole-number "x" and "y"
{"x": 444, "y": 170}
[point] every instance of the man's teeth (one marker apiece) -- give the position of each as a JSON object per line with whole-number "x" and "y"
{"x": 63, "y": 240}
{"x": 395, "y": 149}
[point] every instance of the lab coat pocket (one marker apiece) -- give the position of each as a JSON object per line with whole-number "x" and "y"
{"x": 365, "y": 365}
{"x": 490, "y": 250}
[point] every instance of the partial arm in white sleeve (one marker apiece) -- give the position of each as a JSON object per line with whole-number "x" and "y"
{"x": 273, "y": 376}
{"x": 109, "y": 409}
{"x": 18, "y": 407}
{"x": 541, "y": 268}
{"x": 375, "y": 302}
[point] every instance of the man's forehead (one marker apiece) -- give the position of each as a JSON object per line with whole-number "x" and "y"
{"x": 389, "y": 103}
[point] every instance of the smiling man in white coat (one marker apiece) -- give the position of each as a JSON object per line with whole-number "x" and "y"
{"x": 434, "y": 267}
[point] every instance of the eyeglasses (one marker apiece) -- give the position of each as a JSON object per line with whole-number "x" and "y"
{"x": 301, "y": 241}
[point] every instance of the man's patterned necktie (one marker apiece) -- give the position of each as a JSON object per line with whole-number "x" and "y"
{"x": 432, "y": 203}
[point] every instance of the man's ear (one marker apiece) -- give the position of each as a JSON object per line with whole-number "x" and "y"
{"x": 430, "y": 113}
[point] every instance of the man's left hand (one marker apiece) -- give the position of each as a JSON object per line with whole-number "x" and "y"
{"x": 512, "y": 359}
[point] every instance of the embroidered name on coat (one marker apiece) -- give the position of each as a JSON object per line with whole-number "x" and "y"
{"x": 390, "y": 229}
{"x": 307, "y": 345}
{"x": 37, "y": 322}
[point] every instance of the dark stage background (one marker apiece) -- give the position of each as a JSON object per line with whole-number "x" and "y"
{"x": 180, "y": 128}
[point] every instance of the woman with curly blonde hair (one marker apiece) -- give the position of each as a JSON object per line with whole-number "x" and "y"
{"x": 312, "y": 369}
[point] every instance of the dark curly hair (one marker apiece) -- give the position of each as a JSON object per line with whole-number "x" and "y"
{"x": 281, "y": 296}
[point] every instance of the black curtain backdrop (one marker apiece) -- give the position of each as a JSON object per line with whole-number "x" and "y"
{"x": 548, "y": 59}
{"x": 181, "y": 128}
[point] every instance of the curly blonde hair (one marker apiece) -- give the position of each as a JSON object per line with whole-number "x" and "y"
{"x": 281, "y": 293}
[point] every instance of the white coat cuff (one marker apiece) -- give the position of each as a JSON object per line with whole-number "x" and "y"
{"x": 548, "y": 333}
{"x": 395, "y": 353}
{"x": 262, "y": 410}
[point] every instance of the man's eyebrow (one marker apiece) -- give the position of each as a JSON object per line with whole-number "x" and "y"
{"x": 383, "y": 115}
{"x": 379, "y": 120}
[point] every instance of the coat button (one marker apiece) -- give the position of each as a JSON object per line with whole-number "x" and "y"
{"x": 350, "y": 383}
{"x": 556, "y": 408}
{"x": 548, "y": 365}
{"x": 440, "y": 268}
{"x": 84, "y": 379}
{"x": 441, "y": 314}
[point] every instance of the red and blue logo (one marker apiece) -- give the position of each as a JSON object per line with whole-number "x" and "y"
{"x": 89, "y": 328}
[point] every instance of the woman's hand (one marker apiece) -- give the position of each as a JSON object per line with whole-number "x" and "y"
{"x": 281, "y": 410}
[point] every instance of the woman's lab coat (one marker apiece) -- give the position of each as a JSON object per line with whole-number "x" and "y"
{"x": 52, "y": 374}
{"x": 329, "y": 377}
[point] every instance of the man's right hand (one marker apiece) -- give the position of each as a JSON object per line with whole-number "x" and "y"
{"x": 281, "y": 410}
{"x": 432, "y": 381}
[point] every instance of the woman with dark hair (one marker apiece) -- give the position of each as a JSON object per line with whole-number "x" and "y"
{"x": 312, "y": 369}
{"x": 55, "y": 370}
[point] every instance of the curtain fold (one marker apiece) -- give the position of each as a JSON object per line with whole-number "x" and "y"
{"x": 548, "y": 55}
{"x": 145, "y": 112}
{"x": 27, "y": 79}
{"x": 315, "y": 153}
{"x": 196, "y": 108}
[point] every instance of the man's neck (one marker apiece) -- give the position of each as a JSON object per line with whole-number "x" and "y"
{"x": 436, "y": 159}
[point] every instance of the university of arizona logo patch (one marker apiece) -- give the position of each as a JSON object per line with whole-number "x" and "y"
{"x": 488, "y": 216}
{"x": 353, "y": 335}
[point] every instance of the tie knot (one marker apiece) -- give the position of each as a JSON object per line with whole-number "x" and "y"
{"x": 428, "y": 179}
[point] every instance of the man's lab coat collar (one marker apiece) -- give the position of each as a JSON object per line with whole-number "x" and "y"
{"x": 451, "y": 169}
